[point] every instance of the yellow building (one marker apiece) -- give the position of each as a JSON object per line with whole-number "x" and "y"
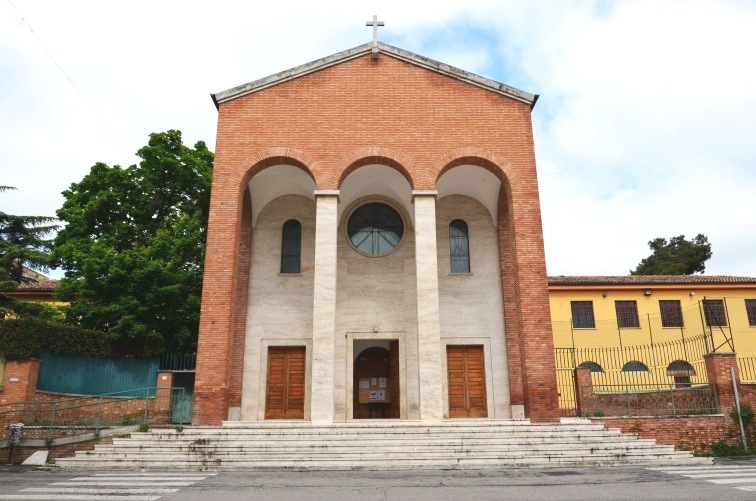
{"x": 646, "y": 332}
{"x": 611, "y": 311}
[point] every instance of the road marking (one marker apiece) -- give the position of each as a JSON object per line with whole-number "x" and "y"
{"x": 143, "y": 486}
{"x": 717, "y": 474}
{"x": 82, "y": 490}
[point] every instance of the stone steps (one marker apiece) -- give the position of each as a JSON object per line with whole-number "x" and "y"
{"x": 370, "y": 445}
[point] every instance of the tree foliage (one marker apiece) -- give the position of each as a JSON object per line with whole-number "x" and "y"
{"x": 22, "y": 338}
{"x": 677, "y": 256}
{"x": 133, "y": 246}
{"x": 24, "y": 243}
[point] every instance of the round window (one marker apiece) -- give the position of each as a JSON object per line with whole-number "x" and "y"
{"x": 375, "y": 229}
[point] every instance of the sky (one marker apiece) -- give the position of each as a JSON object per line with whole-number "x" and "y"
{"x": 645, "y": 126}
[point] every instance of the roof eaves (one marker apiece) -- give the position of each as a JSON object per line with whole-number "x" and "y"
{"x": 401, "y": 54}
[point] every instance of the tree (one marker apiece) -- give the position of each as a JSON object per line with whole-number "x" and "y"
{"x": 133, "y": 247}
{"x": 676, "y": 257}
{"x": 23, "y": 244}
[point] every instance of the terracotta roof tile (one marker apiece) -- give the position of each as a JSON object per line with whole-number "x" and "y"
{"x": 42, "y": 284}
{"x": 649, "y": 280}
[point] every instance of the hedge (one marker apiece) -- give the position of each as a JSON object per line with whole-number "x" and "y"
{"x": 29, "y": 337}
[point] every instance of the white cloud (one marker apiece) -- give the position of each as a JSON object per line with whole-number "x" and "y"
{"x": 644, "y": 127}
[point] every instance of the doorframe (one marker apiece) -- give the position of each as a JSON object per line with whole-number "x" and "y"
{"x": 468, "y": 341}
{"x": 351, "y": 337}
{"x": 263, "y": 388}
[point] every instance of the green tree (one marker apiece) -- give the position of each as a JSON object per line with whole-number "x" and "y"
{"x": 133, "y": 247}
{"x": 24, "y": 243}
{"x": 677, "y": 256}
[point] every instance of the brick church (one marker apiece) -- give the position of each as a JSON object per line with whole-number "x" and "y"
{"x": 374, "y": 248}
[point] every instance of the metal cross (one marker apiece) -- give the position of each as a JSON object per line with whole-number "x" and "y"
{"x": 375, "y": 23}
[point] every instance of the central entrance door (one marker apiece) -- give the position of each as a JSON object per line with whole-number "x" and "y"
{"x": 379, "y": 365}
{"x": 285, "y": 394}
{"x": 467, "y": 382}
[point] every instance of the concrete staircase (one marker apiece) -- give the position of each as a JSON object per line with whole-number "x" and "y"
{"x": 458, "y": 444}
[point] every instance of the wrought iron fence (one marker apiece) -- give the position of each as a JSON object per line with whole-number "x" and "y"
{"x": 747, "y": 369}
{"x": 648, "y": 400}
{"x": 76, "y": 416}
{"x": 640, "y": 366}
{"x": 178, "y": 362}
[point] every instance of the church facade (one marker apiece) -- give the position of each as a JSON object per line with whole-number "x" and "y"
{"x": 374, "y": 248}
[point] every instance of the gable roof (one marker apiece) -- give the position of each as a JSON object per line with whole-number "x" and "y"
{"x": 384, "y": 49}
{"x": 651, "y": 280}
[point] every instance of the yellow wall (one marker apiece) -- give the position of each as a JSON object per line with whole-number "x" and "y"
{"x": 607, "y": 334}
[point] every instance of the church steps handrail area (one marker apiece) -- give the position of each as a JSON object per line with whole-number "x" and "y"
{"x": 457, "y": 445}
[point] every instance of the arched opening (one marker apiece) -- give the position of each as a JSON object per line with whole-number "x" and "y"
{"x": 593, "y": 366}
{"x": 634, "y": 366}
{"x": 376, "y": 382}
{"x": 682, "y": 372}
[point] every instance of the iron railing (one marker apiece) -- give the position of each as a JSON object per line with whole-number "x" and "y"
{"x": 648, "y": 400}
{"x": 90, "y": 414}
{"x": 178, "y": 362}
{"x": 747, "y": 369}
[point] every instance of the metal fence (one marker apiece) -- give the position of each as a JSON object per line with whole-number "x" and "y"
{"x": 747, "y": 369}
{"x": 178, "y": 362}
{"x": 48, "y": 420}
{"x": 64, "y": 373}
{"x": 641, "y": 366}
{"x": 649, "y": 400}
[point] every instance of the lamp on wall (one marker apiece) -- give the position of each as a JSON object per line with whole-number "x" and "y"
{"x": 647, "y": 292}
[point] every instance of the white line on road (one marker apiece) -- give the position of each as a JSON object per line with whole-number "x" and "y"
{"x": 79, "y": 490}
{"x": 137, "y": 479}
{"x": 123, "y": 484}
{"x": 79, "y": 497}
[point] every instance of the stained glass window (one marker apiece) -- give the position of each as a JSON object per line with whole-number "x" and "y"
{"x": 375, "y": 229}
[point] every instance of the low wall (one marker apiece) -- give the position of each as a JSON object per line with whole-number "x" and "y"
{"x": 691, "y": 433}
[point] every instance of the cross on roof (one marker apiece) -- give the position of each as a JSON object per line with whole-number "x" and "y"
{"x": 375, "y": 23}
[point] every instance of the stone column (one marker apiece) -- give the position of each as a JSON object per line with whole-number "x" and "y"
{"x": 324, "y": 306}
{"x": 428, "y": 321}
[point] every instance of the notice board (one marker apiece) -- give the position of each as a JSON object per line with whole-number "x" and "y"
{"x": 374, "y": 390}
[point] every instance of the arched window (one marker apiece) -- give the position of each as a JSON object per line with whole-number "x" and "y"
{"x": 634, "y": 366}
{"x": 459, "y": 247}
{"x": 593, "y": 366}
{"x": 291, "y": 246}
{"x": 681, "y": 371}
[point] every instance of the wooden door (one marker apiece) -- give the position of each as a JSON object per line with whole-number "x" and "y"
{"x": 467, "y": 382}
{"x": 285, "y": 394}
{"x": 395, "y": 411}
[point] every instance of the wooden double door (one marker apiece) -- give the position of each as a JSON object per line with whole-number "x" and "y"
{"x": 467, "y": 381}
{"x": 285, "y": 393}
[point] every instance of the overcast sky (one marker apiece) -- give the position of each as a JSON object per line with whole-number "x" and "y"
{"x": 646, "y": 124}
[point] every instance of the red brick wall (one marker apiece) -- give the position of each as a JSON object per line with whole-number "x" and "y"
{"x": 376, "y": 111}
{"x": 19, "y": 381}
{"x": 20, "y": 454}
{"x": 694, "y": 433}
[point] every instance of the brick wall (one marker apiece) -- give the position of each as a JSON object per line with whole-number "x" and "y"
{"x": 376, "y": 111}
{"x": 694, "y": 433}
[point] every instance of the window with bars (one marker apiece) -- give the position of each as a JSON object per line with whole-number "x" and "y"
{"x": 627, "y": 314}
{"x": 459, "y": 247}
{"x": 751, "y": 311}
{"x": 582, "y": 315}
{"x": 714, "y": 313}
{"x": 671, "y": 313}
{"x": 291, "y": 246}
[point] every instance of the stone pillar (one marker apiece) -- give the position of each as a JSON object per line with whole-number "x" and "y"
{"x": 20, "y": 381}
{"x": 583, "y": 387}
{"x": 428, "y": 320}
{"x": 718, "y": 371}
{"x": 324, "y": 306}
